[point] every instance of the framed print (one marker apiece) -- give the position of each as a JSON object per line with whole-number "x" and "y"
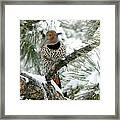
{"x": 60, "y": 59}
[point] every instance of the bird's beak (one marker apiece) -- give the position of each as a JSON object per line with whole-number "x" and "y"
{"x": 58, "y": 34}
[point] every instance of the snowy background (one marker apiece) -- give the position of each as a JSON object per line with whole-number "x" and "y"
{"x": 81, "y": 74}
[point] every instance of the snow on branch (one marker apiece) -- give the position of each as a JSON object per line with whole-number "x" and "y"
{"x": 72, "y": 56}
{"x": 37, "y": 89}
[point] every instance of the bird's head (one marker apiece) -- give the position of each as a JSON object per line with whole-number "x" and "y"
{"x": 52, "y": 36}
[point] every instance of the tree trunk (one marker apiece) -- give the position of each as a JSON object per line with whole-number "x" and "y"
{"x": 34, "y": 90}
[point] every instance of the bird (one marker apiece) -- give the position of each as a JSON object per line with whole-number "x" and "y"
{"x": 52, "y": 52}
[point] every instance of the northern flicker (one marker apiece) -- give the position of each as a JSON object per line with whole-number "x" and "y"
{"x": 52, "y": 51}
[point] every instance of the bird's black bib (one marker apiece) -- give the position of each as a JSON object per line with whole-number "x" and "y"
{"x": 55, "y": 46}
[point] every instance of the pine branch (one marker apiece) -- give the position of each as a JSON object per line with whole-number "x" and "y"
{"x": 90, "y": 94}
{"x": 73, "y": 56}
